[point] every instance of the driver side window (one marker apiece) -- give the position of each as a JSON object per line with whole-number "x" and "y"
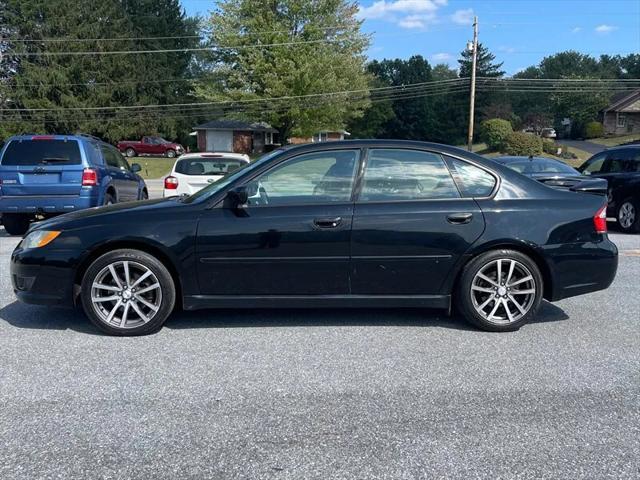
{"x": 314, "y": 178}
{"x": 594, "y": 165}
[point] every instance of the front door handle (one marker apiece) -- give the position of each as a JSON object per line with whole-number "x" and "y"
{"x": 459, "y": 218}
{"x": 328, "y": 222}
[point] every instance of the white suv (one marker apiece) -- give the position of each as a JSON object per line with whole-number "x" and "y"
{"x": 194, "y": 171}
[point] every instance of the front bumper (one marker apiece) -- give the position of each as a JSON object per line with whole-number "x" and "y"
{"x": 581, "y": 268}
{"x": 41, "y": 282}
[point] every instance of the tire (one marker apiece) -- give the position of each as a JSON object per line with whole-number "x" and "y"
{"x": 475, "y": 295}
{"x": 628, "y": 216}
{"x": 130, "y": 152}
{"x": 15, "y": 223}
{"x": 170, "y": 154}
{"x": 109, "y": 199}
{"x": 144, "y": 195}
{"x": 141, "y": 314}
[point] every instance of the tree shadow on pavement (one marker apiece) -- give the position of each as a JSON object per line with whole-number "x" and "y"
{"x": 32, "y": 317}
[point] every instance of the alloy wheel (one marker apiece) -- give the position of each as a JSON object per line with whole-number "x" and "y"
{"x": 503, "y": 291}
{"x": 627, "y": 215}
{"x": 126, "y": 294}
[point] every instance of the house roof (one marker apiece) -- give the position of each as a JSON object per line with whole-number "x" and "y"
{"x": 623, "y": 100}
{"x": 236, "y": 125}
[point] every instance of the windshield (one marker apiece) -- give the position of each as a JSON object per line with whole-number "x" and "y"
{"x": 531, "y": 167}
{"x": 41, "y": 152}
{"x": 220, "y": 184}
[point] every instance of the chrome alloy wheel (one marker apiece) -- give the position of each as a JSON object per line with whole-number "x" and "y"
{"x": 503, "y": 291}
{"x": 627, "y": 215}
{"x": 126, "y": 294}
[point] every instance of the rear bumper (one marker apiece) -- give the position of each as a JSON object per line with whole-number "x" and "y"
{"x": 581, "y": 268}
{"x": 40, "y": 283}
{"x": 43, "y": 204}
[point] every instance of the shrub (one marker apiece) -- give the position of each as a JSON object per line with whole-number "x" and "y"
{"x": 494, "y": 132}
{"x": 550, "y": 147}
{"x": 593, "y": 130}
{"x": 519, "y": 143}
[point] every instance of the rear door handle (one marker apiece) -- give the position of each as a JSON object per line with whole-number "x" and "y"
{"x": 459, "y": 218}
{"x": 328, "y": 222}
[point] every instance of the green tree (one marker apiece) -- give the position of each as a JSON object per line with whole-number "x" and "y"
{"x": 485, "y": 63}
{"x": 316, "y": 47}
{"x": 59, "y": 81}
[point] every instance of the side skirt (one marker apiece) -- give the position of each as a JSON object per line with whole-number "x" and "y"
{"x": 196, "y": 302}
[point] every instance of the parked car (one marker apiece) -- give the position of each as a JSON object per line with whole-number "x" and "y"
{"x": 194, "y": 171}
{"x": 367, "y": 223}
{"x": 45, "y": 175}
{"x": 150, "y": 146}
{"x": 554, "y": 173}
{"x": 620, "y": 166}
{"x": 548, "y": 133}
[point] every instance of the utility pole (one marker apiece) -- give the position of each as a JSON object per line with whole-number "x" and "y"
{"x": 472, "y": 101}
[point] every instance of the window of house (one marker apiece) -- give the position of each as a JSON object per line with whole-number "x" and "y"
{"x": 622, "y": 120}
{"x": 396, "y": 174}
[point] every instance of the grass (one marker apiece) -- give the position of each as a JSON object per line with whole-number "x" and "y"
{"x": 615, "y": 141}
{"x": 154, "y": 167}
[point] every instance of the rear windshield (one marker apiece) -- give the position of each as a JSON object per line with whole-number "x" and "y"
{"x": 41, "y": 152}
{"x": 208, "y": 166}
{"x": 541, "y": 166}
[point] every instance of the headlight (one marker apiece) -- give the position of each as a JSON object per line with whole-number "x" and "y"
{"x": 39, "y": 238}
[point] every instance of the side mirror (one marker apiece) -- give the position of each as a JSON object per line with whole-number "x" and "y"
{"x": 237, "y": 198}
{"x": 135, "y": 167}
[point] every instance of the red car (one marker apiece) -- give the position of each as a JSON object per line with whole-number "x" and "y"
{"x": 156, "y": 146}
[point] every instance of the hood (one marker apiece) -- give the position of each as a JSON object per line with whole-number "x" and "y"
{"x": 96, "y": 214}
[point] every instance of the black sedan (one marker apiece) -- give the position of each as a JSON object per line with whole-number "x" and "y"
{"x": 342, "y": 224}
{"x": 554, "y": 173}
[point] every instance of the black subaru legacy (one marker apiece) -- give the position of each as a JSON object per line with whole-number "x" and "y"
{"x": 344, "y": 224}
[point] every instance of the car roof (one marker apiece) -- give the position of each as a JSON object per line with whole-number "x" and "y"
{"x": 76, "y": 137}
{"x": 236, "y": 156}
{"x": 620, "y": 147}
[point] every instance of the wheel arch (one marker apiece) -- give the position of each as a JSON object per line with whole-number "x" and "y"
{"x": 142, "y": 246}
{"x": 524, "y": 248}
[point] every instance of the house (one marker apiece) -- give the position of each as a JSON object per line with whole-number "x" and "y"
{"x": 323, "y": 136}
{"x": 235, "y": 136}
{"x": 623, "y": 115}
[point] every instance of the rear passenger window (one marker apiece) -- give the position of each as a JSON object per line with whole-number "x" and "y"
{"x": 395, "y": 174}
{"x": 471, "y": 180}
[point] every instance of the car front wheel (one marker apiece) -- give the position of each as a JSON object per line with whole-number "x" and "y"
{"x": 128, "y": 292}
{"x": 628, "y": 216}
{"x": 500, "y": 290}
{"x": 16, "y": 223}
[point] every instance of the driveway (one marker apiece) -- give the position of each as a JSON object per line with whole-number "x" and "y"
{"x": 583, "y": 145}
{"x": 315, "y": 394}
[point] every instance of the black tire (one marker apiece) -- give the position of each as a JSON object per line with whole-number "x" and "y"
{"x": 130, "y": 152}
{"x": 16, "y": 223}
{"x": 624, "y": 225}
{"x": 109, "y": 199}
{"x": 144, "y": 195}
{"x": 170, "y": 153}
{"x": 463, "y": 296}
{"x": 167, "y": 286}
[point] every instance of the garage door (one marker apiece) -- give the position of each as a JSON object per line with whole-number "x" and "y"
{"x": 218, "y": 141}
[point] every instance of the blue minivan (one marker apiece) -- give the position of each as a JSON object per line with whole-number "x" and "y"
{"x": 46, "y": 175}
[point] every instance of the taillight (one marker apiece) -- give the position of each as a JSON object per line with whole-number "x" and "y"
{"x": 170, "y": 183}
{"x": 89, "y": 177}
{"x": 600, "y": 220}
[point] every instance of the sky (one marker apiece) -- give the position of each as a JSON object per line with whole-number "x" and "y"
{"x": 519, "y": 32}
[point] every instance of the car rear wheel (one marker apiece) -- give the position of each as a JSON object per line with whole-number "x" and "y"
{"x": 628, "y": 216}
{"x": 109, "y": 199}
{"x": 500, "y": 290}
{"x": 127, "y": 292}
{"x": 170, "y": 154}
{"x": 130, "y": 152}
{"x": 16, "y": 224}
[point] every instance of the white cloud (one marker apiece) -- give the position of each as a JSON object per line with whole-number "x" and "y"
{"x": 441, "y": 57}
{"x": 406, "y": 13}
{"x": 506, "y": 49}
{"x": 576, "y": 29}
{"x": 463, "y": 17}
{"x": 604, "y": 28}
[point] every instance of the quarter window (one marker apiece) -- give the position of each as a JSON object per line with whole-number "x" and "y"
{"x": 109, "y": 157}
{"x": 314, "y": 178}
{"x": 394, "y": 174}
{"x": 472, "y": 181}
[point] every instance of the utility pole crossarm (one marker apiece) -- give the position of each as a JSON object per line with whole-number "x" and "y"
{"x": 472, "y": 97}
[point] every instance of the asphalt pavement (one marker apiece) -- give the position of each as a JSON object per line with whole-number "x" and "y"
{"x": 584, "y": 145}
{"x": 345, "y": 394}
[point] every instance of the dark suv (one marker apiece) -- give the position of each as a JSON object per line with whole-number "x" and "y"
{"x": 46, "y": 175}
{"x": 620, "y": 166}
